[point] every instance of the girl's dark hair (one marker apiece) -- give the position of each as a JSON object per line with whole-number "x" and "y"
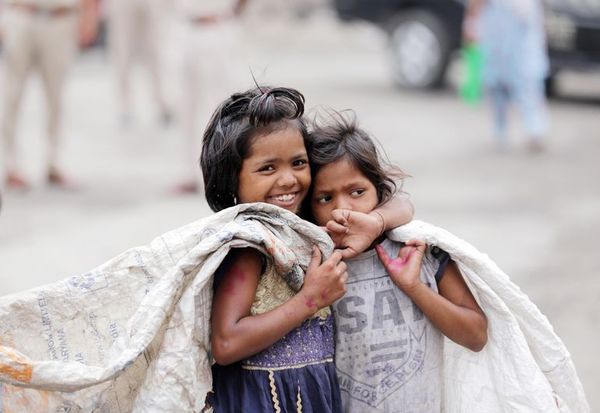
{"x": 340, "y": 137}
{"x": 231, "y": 129}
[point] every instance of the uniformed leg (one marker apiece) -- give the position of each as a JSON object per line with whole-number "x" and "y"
{"x": 122, "y": 33}
{"x": 208, "y": 80}
{"x": 57, "y": 37}
{"x": 18, "y": 60}
{"x": 154, "y": 33}
{"x": 187, "y": 112}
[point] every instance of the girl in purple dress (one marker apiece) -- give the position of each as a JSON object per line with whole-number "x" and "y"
{"x": 273, "y": 346}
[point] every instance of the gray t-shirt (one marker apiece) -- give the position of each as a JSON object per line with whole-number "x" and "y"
{"x": 388, "y": 354}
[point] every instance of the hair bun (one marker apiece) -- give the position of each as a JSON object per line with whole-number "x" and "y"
{"x": 273, "y": 104}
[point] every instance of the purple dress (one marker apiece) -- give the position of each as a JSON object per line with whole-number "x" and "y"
{"x": 296, "y": 374}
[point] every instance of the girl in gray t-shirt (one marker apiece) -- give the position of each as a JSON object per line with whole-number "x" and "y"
{"x": 401, "y": 298}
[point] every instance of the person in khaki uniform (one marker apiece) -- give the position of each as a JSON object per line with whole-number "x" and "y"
{"x": 135, "y": 23}
{"x": 40, "y": 36}
{"x": 209, "y": 36}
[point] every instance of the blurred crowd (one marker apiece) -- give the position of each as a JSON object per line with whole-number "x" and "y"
{"x": 41, "y": 37}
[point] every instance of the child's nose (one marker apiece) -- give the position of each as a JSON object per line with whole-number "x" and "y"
{"x": 343, "y": 203}
{"x": 287, "y": 178}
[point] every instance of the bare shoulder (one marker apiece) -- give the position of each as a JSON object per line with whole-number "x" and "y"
{"x": 250, "y": 258}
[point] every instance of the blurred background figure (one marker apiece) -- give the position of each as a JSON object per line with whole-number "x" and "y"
{"x": 134, "y": 26}
{"x": 209, "y": 31}
{"x": 512, "y": 37}
{"x": 40, "y": 36}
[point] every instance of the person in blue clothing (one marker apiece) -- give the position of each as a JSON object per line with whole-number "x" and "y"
{"x": 515, "y": 62}
{"x": 273, "y": 346}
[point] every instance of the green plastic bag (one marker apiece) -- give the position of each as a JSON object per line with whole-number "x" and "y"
{"x": 470, "y": 89}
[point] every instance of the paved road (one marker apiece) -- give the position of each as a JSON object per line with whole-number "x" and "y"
{"x": 537, "y": 216}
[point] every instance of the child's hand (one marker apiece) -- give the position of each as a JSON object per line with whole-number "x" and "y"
{"x": 404, "y": 270}
{"x": 324, "y": 283}
{"x": 354, "y": 232}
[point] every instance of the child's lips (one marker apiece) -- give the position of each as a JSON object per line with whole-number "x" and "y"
{"x": 284, "y": 200}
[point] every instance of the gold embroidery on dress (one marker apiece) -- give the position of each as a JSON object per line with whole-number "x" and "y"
{"x": 299, "y": 401}
{"x": 274, "y": 397}
{"x": 273, "y": 291}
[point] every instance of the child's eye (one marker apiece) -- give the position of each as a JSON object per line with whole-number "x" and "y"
{"x": 300, "y": 162}
{"x": 267, "y": 168}
{"x": 323, "y": 199}
{"x": 358, "y": 192}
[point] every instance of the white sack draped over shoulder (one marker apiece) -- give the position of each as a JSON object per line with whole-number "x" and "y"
{"x": 133, "y": 334}
{"x": 524, "y": 366}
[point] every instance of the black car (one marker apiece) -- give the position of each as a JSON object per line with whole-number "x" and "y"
{"x": 424, "y": 34}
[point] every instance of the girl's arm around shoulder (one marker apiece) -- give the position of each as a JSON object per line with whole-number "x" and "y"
{"x": 237, "y": 334}
{"x": 397, "y": 211}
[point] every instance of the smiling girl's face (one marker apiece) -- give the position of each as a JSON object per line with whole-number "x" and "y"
{"x": 340, "y": 184}
{"x": 276, "y": 170}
